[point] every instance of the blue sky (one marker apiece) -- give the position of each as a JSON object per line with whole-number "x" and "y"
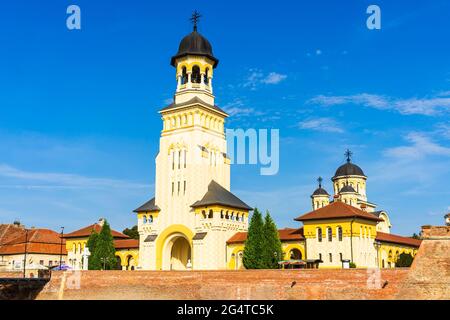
{"x": 79, "y": 126}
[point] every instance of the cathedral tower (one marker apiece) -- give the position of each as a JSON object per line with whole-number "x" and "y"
{"x": 193, "y": 212}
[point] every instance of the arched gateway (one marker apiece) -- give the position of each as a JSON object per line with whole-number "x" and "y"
{"x": 177, "y": 252}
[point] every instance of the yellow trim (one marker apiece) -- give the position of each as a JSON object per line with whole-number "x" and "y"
{"x": 289, "y": 247}
{"x": 236, "y": 250}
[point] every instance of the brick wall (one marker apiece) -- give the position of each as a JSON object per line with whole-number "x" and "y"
{"x": 223, "y": 285}
{"x": 429, "y": 277}
{"x": 11, "y": 274}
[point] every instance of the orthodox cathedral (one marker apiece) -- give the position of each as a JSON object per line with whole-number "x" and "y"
{"x": 195, "y": 222}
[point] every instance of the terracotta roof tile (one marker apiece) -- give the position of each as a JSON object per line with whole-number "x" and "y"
{"x": 9, "y": 232}
{"x": 43, "y": 241}
{"x": 126, "y": 244}
{"x": 337, "y": 210}
{"x": 393, "y": 238}
{"x": 86, "y": 232}
{"x": 287, "y": 234}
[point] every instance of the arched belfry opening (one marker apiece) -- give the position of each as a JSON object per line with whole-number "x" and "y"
{"x": 196, "y": 76}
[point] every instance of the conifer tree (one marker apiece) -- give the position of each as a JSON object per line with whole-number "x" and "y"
{"x": 93, "y": 263}
{"x": 253, "y": 258}
{"x": 103, "y": 257}
{"x": 272, "y": 245}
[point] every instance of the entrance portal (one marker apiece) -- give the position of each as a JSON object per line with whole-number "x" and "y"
{"x": 177, "y": 253}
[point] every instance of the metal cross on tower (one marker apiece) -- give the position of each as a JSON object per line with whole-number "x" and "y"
{"x": 195, "y": 19}
{"x": 348, "y": 155}
{"x": 319, "y": 180}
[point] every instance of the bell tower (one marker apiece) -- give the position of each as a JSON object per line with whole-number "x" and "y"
{"x": 193, "y": 213}
{"x": 194, "y": 64}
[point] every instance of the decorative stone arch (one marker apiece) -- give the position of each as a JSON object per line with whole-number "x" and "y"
{"x": 167, "y": 238}
{"x": 294, "y": 246}
{"x": 126, "y": 257}
{"x": 235, "y": 255}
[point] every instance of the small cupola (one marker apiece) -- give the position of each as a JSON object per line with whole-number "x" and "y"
{"x": 320, "y": 197}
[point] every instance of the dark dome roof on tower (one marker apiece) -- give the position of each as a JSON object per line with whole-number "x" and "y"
{"x": 320, "y": 192}
{"x": 349, "y": 169}
{"x": 195, "y": 44}
{"x": 347, "y": 188}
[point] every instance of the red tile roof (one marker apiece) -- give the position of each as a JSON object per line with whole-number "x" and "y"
{"x": 337, "y": 210}
{"x": 393, "y": 238}
{"x": 126, "y": 244}
{"x": 86, "y": 232}
{"x": 41, "y": 241}
{"x": 287, "y": 234}
{"x": 9, "y": 232}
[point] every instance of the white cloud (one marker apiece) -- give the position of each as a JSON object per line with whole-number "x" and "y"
{"x": 274, "y": 78}
{"x": 318, "y": 52}
{"x": 420, "y": 146}
{"x": 321, "y": 124}
{"x": 443, "y": 130}
{"x": 168, "y": 101}
{"x": 423, "y": 106}
{"x": 257, "y": 77}
{"x": 237, "y": 107}
{"x": 50, "y": 180}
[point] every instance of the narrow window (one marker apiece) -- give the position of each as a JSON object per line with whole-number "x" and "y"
{"x": 330, "y": 234}
{"x": 340, "y": 233}
{"x": 179, "y": 187}
{"x": 173, "y": 187}
{"x": 184, "y": 186}
{"x": 331, "y": 257}
{"x": 320, "y": 256}
{"x": 179, "y": 159}
{"x": 185, "y": 155}
{"x": 319, "y": 234}
{"x": 340, "y": 256}
{"x": 173, "y": 160}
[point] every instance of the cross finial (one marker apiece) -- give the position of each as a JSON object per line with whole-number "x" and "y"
{"x": 319, "y": 180}
{"x": 195, "y": 18}
{"x": 349, "y": 155}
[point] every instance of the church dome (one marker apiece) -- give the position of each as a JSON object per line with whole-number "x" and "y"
{"x": 347, "y": 188}
{"x": 194, "y": 44}
{"x": 320, "y": 192}
{"x": 349, "y": 169}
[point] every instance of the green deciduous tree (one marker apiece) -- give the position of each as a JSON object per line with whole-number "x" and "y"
{"x": 254, "y": 245}
{"x": 272, "y": 245}
{"x": 405, "y": 260}
{"x": 133, "y": 233}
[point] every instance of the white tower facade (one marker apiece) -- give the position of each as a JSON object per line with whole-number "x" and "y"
{"x": 193, "y": 214}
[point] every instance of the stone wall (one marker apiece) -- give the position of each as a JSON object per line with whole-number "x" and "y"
{"x": 10, "y": 274}
{"x": 225, "y": 285}
{"x": 429, "y": 277}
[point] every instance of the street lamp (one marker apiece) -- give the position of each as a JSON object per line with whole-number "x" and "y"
{"x": 61, "y": 249}
{"x": 377, "y": 245}
{"x": 25, "y": 255}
